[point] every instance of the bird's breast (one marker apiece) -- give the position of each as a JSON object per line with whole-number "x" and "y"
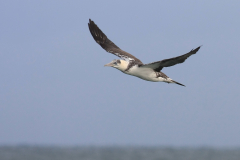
{"x": 143, "y": 73}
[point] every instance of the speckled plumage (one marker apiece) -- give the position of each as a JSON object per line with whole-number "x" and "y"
{"x": 132, "y": 65}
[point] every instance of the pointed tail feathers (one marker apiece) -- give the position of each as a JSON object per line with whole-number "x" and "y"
{"x": 177, "y": 83}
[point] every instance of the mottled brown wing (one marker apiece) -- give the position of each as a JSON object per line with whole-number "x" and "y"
{"x": 157, "y": 66}
{"x": 108, "y": 45}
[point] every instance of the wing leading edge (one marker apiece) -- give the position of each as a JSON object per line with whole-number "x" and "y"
{"x": 108, "y": 45}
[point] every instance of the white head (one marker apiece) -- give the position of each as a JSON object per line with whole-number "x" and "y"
{"x": 118, "y": 64}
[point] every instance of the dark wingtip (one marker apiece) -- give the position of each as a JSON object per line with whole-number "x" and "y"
{"x": 199, "y": 47}
{"x": 196, "y": 49}
{"x": 90, "y": 22}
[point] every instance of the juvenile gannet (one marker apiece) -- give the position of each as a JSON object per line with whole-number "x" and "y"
{"x": 131, "y": 65}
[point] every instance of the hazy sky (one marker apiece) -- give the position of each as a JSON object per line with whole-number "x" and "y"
{"x": 54, "y": 89}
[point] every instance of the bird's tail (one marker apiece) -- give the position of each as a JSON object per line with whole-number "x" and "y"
{"x": 177, "y": 83}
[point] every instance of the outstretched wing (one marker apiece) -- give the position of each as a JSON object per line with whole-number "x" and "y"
{"x": 157, "y": 66}
{"x": 108, "y": 45}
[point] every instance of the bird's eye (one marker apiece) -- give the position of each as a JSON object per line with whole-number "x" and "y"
{"x": 115, "y": 63}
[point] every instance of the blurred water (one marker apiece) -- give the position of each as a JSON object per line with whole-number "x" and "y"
{"x": 115, "y": 153}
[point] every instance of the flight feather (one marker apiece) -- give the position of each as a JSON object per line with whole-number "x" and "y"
{"x": 157, "y": 66}
{"x": 108, "y": 45}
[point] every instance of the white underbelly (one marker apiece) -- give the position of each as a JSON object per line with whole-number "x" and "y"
{"x": 143, "y": 73}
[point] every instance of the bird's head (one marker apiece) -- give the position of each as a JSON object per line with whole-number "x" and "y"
{"x": 118, "y": 64}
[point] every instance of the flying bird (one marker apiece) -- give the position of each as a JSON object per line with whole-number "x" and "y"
{"x": 129, "y": 64}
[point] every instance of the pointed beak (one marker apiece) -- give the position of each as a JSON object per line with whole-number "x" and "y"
{"x": 108, "y": 65}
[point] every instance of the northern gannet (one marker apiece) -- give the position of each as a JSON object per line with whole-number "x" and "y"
{"x": 129, "y": 64}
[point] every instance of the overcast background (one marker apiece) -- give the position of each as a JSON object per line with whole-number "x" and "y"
{"x": 54, "y": 89}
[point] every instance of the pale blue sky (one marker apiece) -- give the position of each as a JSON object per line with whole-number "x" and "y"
{"x": 55, "y": 90}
